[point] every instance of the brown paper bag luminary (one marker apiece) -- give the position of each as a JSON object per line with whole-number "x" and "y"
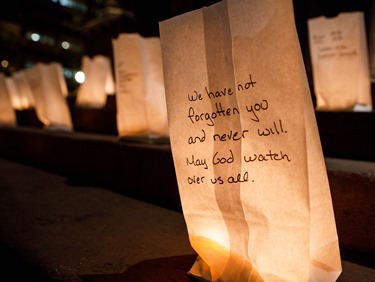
{"x": 99, "y": 82}
{"x": 140, "y": 93}
{"x": 340, "y": 62}
{"x": 50, "y": 103}
{"x": 7, "y": 112}
{"x": 249, "y": 165}
{"x": 20, "y": 92}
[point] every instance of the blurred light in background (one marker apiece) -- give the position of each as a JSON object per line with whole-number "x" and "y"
{"x": 65, "y": 45}
{"x": 4, "y": 64}
{"x": 79, "y": 77}
{"x": 35, "y": 37}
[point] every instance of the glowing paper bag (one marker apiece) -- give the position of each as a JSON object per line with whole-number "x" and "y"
{"x": 19, "y": 101}
{"x": 156, "y": 107}
{"x": 20, "y": 91}
{"x": 98, "y": 82}
{"x": 249, "y": 165}
{"x": 140, "y": 94}
{"x": 62, "y": 81}
{"x": 340, "y": 62}
{"x": 372, "y": 41}
{"x": 7, "y": 113}
{"x": 50, "y": 104}
{"x": 24, "y": 89}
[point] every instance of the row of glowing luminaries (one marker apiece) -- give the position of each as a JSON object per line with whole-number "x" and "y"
{"x": 43, "y": 87}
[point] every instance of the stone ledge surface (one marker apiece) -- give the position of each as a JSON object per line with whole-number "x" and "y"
{"x": 64, "y": 231}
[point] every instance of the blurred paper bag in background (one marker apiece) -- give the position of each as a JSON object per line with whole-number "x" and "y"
{"x": 24, "y": 89}
{"x": 156, "y": 107}
{"x": 50, "y": 104}
{"x": 20, "y": 91}
{"x": 140, "y": 94}
{"x": 60, "y": 73}
{"x": 99, "y": 82}
{"x": 250, "y": 170}
{"x": 7, "y": 113}
{"x": 371, "y": 33}
{"x": 16, "y": 99}
{"x": 340, "y": 62}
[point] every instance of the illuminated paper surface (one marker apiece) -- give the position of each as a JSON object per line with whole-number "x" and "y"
{"x": 140, "y": 93}
{"x": 340, "y": 62}
{"x": 18, "y": 101}
{"x": 20, "y": 91}
{"x": 98, "y": 82}
{"x": 249, "y": 165}
{"x": 62, "y": 81}
{"x": 7, "y": 113}
{"x": 371, "y": 34}
{"x": 156, "y": 107}
{"x": 24, "y": 89}
{"x": 50, "y": 104}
